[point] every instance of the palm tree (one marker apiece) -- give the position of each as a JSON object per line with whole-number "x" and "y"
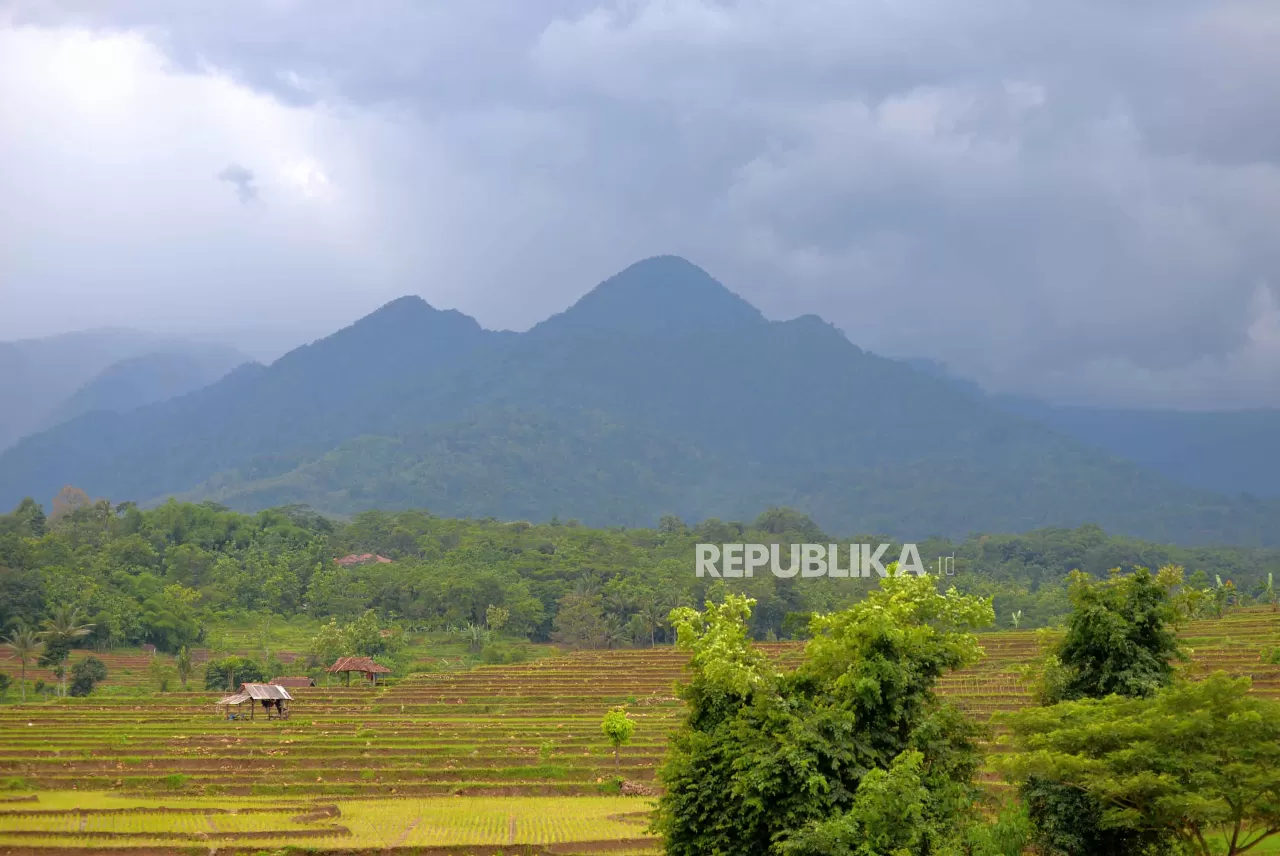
{"x": 62, "y": 628}
{"x": 25, "y": 645}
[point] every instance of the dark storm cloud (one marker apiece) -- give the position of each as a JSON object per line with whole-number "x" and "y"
{"x": 242, "y": 180}
{"x": 1075, "y": 197}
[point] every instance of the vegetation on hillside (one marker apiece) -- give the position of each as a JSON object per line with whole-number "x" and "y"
{"x": 660, "y": 392}
{"x": 165, "y": 576}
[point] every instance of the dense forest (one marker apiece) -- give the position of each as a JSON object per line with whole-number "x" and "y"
{"x": 163, "y": 576}
{"x": 661, "y": 391}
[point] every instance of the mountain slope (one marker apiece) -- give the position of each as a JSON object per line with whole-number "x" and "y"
{"x": 46, "y": 381}
{"x": 156, "y": 376}
{"x": 1232, "y": 452}
{"x": 1228, "y": 452}
{"x": 660, "y": 391}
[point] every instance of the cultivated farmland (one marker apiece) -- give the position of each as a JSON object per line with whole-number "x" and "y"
{"x": 497, "y": 757}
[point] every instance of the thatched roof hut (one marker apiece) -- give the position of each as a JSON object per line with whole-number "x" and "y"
{"x": 364, "y": 665}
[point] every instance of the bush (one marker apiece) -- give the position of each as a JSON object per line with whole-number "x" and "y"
{"x": 497, "y": 654}
{"x": 5, "y": 681}
{"x": 85, "y": 675}
{"x": 163, "y": 675}
{"x": 174, "y": 781}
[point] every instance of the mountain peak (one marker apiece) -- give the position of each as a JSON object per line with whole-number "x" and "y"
{"x": 657, "y": 294}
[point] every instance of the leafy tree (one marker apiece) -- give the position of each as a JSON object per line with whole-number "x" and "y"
{"x": 1197, "y": 761}
{"x": 62, "y": 628}
{"x": 184, "y": 667}
{"x": 767, "y": 756}
{"x": 229, "y": 673}
{"x": 580, "y": 621}
{"x": 618, "y": 727}
{"x": 1118, "y": 641}
{"x": 364, "y": 636}
{"x": 25, "y": 645}
{"x": 329, "y": 644}
{"x": 1119, "y": 638}
{"x": 5, "y": 682}
{"x": 86, "y": 674}
{"x": 889, "y": 816}
{"x": 496, "y": 617}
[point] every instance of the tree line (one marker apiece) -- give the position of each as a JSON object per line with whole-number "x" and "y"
{"x": 165, "y": 575}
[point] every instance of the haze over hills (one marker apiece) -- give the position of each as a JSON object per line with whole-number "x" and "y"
{"x": 1229, "y": 452}
{"x": 659, "y": 392}
{"x": 48, "y": 380}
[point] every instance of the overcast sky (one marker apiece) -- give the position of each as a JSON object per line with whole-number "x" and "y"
{"x": 1076, "y": 198}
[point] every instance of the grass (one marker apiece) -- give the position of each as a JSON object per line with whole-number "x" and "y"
{"x": 77, "y": 819}
{"x": 482, "y": 756}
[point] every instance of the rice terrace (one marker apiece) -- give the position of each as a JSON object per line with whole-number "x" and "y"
{"x": 494, "y": 759}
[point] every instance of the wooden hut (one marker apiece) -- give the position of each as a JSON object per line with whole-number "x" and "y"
{"x": 270, "y": 696}
{"x": 364, "y": 665}
{"x": 293, "y": 682}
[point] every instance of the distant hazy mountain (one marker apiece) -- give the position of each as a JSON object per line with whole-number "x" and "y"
{"x": 42, "y": 381}
{"x": 137, "y": 381}
{"x": 1231, "y": 452}
{"x": 659, "y": 392}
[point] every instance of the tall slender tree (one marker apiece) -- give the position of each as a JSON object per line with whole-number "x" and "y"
{"x": 62, "y": 629}
{"x": 25, "y": 645}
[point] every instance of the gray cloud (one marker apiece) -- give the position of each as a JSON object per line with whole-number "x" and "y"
{"x": 1073, "y": 197}
{"x": 242, "y": 180}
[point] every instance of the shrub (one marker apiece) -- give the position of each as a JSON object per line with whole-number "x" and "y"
{"x": 85, "y": 675}
{"x": 162, "y": 674}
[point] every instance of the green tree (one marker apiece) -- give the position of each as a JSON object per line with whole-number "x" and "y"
{"x": 329, "y": 644}
{"x": 580, "y": 621}
{"x": 182, "y": 663}
{"x": 889, "y": 817}
{"x": 1119, "y": 638}
{"x": 5, "y": 682}
{"x": 62, "y": 629}
{"x": 618, "y": 727}
{"x": 230, "y": 672}
{"x": 1199, "y": 761}
{"x": 364, "y": 635}
{"x": 767, "y": 755}
{"x": 25, "y": 645}
{"x": 1118, "y": 641}
{"x": 86, "y": 674}
{"x": 496, "y": 617}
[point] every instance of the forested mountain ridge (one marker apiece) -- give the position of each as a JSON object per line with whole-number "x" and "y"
{"x": 659, "y": 392}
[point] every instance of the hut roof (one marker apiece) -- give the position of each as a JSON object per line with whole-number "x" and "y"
{"x": 362, "y": 558}
{"x": 266, "y": 691}
{"x": 237, "y": 698}
{"x": 302, "y": 681}
{"x": 358, "y": 664}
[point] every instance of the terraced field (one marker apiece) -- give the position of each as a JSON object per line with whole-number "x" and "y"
{"x": 480, "y": 759}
